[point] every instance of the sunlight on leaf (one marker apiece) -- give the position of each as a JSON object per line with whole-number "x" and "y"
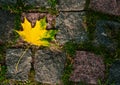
{"x": 37, "y": 35}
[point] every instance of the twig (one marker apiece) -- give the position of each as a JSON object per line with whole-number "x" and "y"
{"x": 16, "y": 67}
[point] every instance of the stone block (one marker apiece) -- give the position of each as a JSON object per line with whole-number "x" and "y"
{"x": 88, "y": 68}
{"x": 114, "y": 73}
{"x": 49, "y": 66}
{"x": 111, "y": 7}
{"x": 70, "y": 26}
{"x": 12, "y": 57}
{"x": 71, "y": 5}
{"x": 6, "y": 26}
{"x": 38, "y": 3}
{"x": 105, "y": 34}
{"x": 62, "y": 5}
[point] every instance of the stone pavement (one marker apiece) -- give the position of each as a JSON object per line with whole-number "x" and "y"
{"x": 66, "y": 5}
{"x": 114, "y": 76}
{"x": 106, "y": 6}
{"x": 6, "y": 26}
{"x": 88, "y": 67}
{"x": 12, "y": 57}
{"x": 49, "y": 65}
{"x": 71, "y": 27}
{"x": 103, "y": 35}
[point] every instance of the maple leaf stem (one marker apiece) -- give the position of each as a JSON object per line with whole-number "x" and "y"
{"x": 16, "y": 67}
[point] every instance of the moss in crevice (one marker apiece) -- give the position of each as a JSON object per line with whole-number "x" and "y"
{"x": 87, "y": 4}
{"x": 70, "y": 48}
{"x": 67, "y": 72}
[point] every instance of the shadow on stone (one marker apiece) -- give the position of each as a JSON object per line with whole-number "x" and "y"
{"x": 6, "y": 26}
{"x": 105, "y": 34}
{"x": 114, "y": 73}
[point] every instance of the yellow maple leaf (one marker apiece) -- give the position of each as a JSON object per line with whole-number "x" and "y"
{"x": 34, "y": 35}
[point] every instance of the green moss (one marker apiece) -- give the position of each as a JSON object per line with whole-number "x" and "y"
{"x": 70, "y": 47}
{"x": 2, "y": 51}
{"x": 3, "y": 80}
{"x": 2, "y": 73}
{"x": 17, "y": 22}
{"x": 53, "y": 4}
{"x": 108, "y": 57}
{"x": 92, "y": 17}
{"x": 67, "y": 72}
{"x": 87, "y": 4}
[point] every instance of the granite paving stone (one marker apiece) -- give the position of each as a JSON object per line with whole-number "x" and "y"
{"x": 12, "y": 57}
{"x": 6, "y": 26}
{"x": 88, "y": 68}
{"x": 71, "y": 5}
{"x": 111, "y": 7}
{"x": 34, "y": 3}
{"x": 62, "y": 5}
{"x": 105, "y": 33}
{"x": 49, "y": 66}
{"x": 38, "y": 3}
{"x": 114, "y": 73}
{"x": 70, "y": 27}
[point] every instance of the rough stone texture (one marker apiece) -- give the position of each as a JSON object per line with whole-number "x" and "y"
{"x": 70, "y": 27}
{"x": 49, "y": 66}
{"x": 105, "y": 33}
{"x": 114, "y": 74}
{"x": 12, "y": 57}
{"x": 63, "y": 5}
{"x": 38, "y": 3}
{"x": 88, "y": 68}
{"x": 6, "y": 25}
{"x": 71, "y": 5}
{"x": 7, "y": 2}
{"x": 106, "y": 6}
{"x": 35, "y": 3}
